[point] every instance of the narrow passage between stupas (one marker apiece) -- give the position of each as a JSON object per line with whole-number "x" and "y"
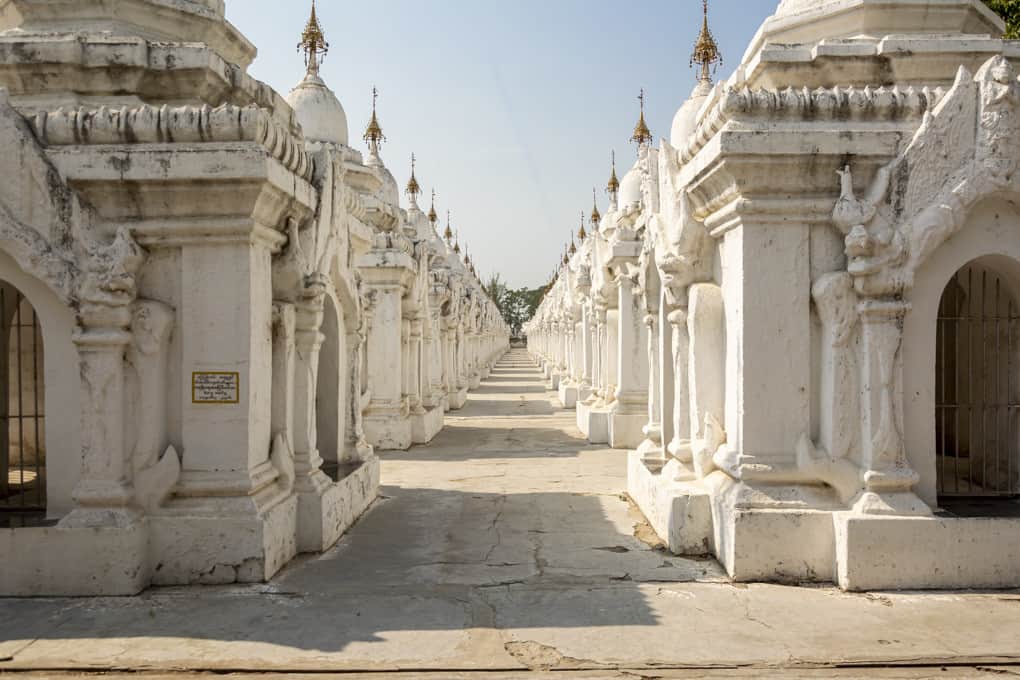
{"x": 508, "y": 492}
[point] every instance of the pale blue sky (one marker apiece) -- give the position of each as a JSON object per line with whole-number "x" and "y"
{"x": 511, "y": 107}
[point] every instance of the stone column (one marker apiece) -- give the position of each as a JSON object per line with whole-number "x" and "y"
{"x": 666, "y": 399}
{"x": 416, "y": 330}
{"x": 888, "y": 477}
{"x": 284, "y": 350}
{"x": 651, "y": 449}
{"x": 586, "y": 349}
{"x": 598, "y": 357}
{"x": 385, "y": 276}
{"x": 103, "y": 494}
{"x": 310, "y": 482}
{"x": 631, "y": 407}
{"x": 680, "y": 445}
{"x": 611, "y": 354}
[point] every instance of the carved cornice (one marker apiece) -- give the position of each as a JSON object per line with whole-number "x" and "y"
{"x": 841, "y": 105}
{"x": 173, "y": 125}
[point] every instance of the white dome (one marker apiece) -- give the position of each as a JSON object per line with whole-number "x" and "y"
{"x": 630, "y": 187}
{"x": 319, "y": 111}
{"x": 686, "y": 118}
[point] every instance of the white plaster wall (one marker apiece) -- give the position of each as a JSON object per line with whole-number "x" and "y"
{"x": 63, "y": 419}
{"x": 730, "y": 263}
{"x": 992, "y": 233}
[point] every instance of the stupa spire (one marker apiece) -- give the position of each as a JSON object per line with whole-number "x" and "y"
{"x": 596, "y": 216}
{"x": 433, "y": 217}
{"x": 413, "y": 189}
{"x": 706, "y": 53}
{"x": 613, "y": 187}
{"x": 373, "y": 133}
{"x": 448, "y": 234}
{"x": 642, "y": 135}
{"x": 313, "y": 43}
{"x": 581, "y": 233}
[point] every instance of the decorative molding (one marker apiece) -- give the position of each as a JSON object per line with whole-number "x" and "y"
{"x": 174, "y": 125}
{"x": 822, "y": 104}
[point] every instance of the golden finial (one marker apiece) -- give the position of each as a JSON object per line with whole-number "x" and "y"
{"x": 581, "y": 233}
{"x": 313, "y": 44}
{"x": 413, "y": 188}
{"x": 448, "y": 234}
{"x": 433, "y": 217}
{"x": 573, "y": 248}
{"x": 614, "y": 184}
{"x": 456, "y": 242}
{"x": 373, "y": 133}
{"x": 596, "y": 216}
{"x": 642, "y": 135}
{"x": 706, "y": 51}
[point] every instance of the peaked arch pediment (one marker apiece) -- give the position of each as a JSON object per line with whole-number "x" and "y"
{"x": 964, "y": 151}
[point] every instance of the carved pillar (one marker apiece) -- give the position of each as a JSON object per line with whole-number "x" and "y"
{"x": 680, "y": 446}
{"x": 308, "y": 341}
{"x": 611, "y": 354}
{"x": 651, "y": 449}
{"x": 631, "y": 407}
{"x": 386, "y": 273}
{"x": 104, "y": 493}
{"x": 405, "y": 361}
{"x": 415, "y": 364}
{"x": 666, "y": 401}
{"x": 888, "y": 478}
{"x": 284, "y": 351}
{"x": 586, "y": 348}
{"x": 356, "y": 448}
{"x": 598, "y": 356}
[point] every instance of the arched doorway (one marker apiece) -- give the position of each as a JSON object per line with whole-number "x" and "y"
{"x": 977, "y": 389}
{"x": 22, "y": 430}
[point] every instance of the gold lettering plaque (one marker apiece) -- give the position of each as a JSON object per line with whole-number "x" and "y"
{"x": 215, "y": 387}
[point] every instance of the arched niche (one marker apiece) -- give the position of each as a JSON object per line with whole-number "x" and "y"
{"x": 330, "y": 392}
{"x": 59, "y": 388}
{"x": 990, "y": 240}
{"x": 977, "y": 382}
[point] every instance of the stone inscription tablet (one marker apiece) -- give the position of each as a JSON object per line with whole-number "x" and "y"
{"x": 215, "y": 387}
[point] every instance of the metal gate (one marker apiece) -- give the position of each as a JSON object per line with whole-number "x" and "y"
{"x": 976, "y": 389}
{"x": 22, "y": 432}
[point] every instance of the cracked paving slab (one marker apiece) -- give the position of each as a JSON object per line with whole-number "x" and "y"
{"x": 506, "y": 546}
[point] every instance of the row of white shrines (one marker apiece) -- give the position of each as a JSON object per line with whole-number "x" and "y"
{"x": 230, "y": 311}
{"x": 800, "y": 313}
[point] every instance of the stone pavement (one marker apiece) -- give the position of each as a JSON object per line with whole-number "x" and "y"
{"x": 506, "y": 546}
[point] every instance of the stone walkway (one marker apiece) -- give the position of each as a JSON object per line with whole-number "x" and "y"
{"x": 505, "y": 546}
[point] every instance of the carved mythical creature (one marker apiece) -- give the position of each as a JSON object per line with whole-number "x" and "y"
{"x": 110, "y": 272}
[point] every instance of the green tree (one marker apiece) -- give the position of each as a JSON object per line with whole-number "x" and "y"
{"x": 515, "y": 305}
{"x": 1009, "y": 10}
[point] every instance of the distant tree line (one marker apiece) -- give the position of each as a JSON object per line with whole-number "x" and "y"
{"x": 517, "y": 305}
{"x": 1009, "y": 10}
